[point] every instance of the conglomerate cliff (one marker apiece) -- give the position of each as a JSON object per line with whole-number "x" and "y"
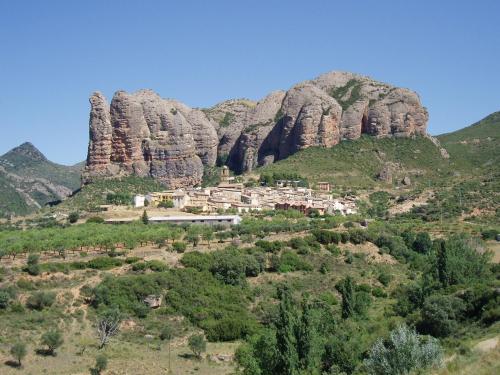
{"x": 143, "y": 134}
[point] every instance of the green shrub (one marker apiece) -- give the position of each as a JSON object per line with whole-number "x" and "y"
{"x": 197, "y": 344}
{"x": 385, "y": 278}
{"x": 32, "y": 266}
{"x": 440, "y": 315}
{"x": 403, "y": 352}
{"x": 41, "y": 300}
{"x": 179, "y": 247}
{"x": 73, "y": 217}
{"x": 489, "y": 234}
{"x": 131, "y": 260}
{"x": 333, "y": 249}
{"x": 156, "y": 266}
{"x": 379, "y": 292}
{"x": 95, "y": 219}
{"x": 4, "y": 299}
{"x": 52, "y": 339}
{"x": 290, "y": 261}
{"x": 104, "y": 263}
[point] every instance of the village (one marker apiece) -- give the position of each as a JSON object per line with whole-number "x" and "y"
{"x": 230, "y": 197}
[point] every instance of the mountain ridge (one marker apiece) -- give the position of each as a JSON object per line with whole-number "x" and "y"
{"x": 28, "y": 180}
{"x": 143, "y": 134}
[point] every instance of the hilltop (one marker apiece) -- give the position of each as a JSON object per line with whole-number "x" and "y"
{"x": 475, "y": 148}
{"x": 28, "y": 180}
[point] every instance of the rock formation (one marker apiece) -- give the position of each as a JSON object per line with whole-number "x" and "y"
{"x": 145, "y": 135}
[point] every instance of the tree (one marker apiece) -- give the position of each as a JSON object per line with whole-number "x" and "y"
{"x": 145, "y": 218}
{"x": 403, "y": 352}
{"x": 101, "y": 363}
{"x": 307, "y": 348}
{"x": 197, "y": 344}
{"x": 440, "y": 315}
{"x": 348, "y": 297}
{"x": 286, "y": 341}
{"x": 442, "y": 263}
{"x": 459, "y": 261}
{"x": 194, "y": 238}
{"x": 18, "y": 351}
{"x": 422, "y": 243}
{"x": 40, "y": 300}
{"x": 108, "y": 326}
{"x": 53, "y": 340}
{"x": 208, "y": 235}
{"x": 166, "y": 334}
{"x": 32, "y": 266}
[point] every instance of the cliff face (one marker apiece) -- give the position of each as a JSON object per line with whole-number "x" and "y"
{"x": 143, "y": 134}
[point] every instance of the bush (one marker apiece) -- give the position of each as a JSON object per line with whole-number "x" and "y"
{"x": 41, "y": 300}
{"x": 4, "y": 299}
{"x": 403, "y": 352}
{"x": 167, "y": 204}
{"x": 101, "y": 363}
{"x": 290, "y": 261}
{"x": 357, "y": 236}
{"x": 489, "y": 234}
{"x": 197, "y": 260}
{"x": 384, "y": 278}
{"x": 326, "y": 237}
{"x": 269, "y": 246}
{"x": 440, "y": 315}
{"x": 333, "y": 249}
{"x": 104, "y": 263}
{"x": 32, "y": 266}
{"x": 131, "y": 260}
{"x": 197, "y": 344}
{"x": 53, "y": 340}
{"x": 73, "y": 217}
{"x": 95, "y": 219}
{"x": 422, "y": 243}
{"x": 179, "y": 247}
{"x": 379, "y": 292}
{"x": 156, "y": 266}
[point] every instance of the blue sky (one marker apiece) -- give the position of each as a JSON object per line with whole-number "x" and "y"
{"x": 54, "y": 54}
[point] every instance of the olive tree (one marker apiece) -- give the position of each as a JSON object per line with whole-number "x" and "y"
{"x": 403, "y": 352}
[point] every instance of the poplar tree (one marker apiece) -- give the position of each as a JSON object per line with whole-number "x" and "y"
{"x": 286, "y": 342}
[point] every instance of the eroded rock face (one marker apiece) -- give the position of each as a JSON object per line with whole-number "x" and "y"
{"x": 146, "y": 135}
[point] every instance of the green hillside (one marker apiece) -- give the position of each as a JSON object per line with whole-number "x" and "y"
{"x": 357, "y": 163}
{"x": 92, "y": 195}
{"x": 475, "y": 148}
{"x": 28, "y": 180}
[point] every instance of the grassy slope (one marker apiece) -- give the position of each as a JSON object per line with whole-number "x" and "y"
{"x": 26, "y": 163}
{"x": 477, "y": 147}
{"x": 357, "y": 163}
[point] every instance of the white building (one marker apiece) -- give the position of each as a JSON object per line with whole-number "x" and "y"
{"x": 139, "y": 200}
{"x": 198, "y": 219}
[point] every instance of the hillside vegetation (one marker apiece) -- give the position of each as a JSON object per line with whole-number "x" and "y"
{"x": 357, "y": 163}
{"x": 90, "y": 196}
{"x": 475, "y": 148}
{"x": 28, "y": 180}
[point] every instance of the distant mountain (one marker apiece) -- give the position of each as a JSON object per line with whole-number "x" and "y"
{"x": 28, "y": 180}
{"x": 475, "y": 148}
